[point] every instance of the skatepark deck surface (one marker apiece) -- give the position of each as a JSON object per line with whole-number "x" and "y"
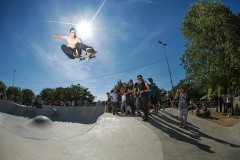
{"x": 106, "y": 136}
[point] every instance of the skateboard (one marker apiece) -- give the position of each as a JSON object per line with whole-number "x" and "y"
{"x": 86, "y": 56}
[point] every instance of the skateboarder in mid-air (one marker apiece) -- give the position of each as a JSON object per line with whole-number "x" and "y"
{"x": 75, "y": 45}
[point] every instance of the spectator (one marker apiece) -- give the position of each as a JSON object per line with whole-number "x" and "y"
{"x": 114, "y": 100}
{"x": 198, "y": 112}
{"x": 228, "y": 103}
{"x": 220, "y": 100}
{"x": 215, "y": 102}
{"x": 236, "y": 110}
{"x": 153, "y": 95}
{"x": 123, "y": 104}
{"x": 167, "y": 102}
{"x": 128, "y": 92}
{"x": 109, "y": 108}
{"x": 206, "y": 112}
{"x": 182, "y": 106}
{"x": 143, "y": 90}
{"x": 136, "y": 96}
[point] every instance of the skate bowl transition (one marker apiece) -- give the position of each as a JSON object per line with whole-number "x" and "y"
{"x": 44, "y": 123}
{"x": 73, "y": 133}
{"x": 84, "y": 114}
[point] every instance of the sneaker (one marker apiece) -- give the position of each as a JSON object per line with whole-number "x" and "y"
{"x": 76, "y": 54}
{"x": 181, "y": 125}
{"x": 153, "y": 111}
{"x": 145, "y": 119}
{"x": 139, "y": 113}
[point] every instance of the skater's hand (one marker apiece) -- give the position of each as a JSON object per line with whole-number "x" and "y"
{"x": 54, "y": 36}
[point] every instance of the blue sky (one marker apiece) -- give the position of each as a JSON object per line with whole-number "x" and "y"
{"x": 124, "y": 32}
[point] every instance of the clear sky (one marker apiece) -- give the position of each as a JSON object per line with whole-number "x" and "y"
{"x": 124, "y": 33}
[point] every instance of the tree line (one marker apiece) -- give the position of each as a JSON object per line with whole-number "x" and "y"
{"x": 74, "y": 93}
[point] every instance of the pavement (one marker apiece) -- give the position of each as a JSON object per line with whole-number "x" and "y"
{"x": 82, "y": 133}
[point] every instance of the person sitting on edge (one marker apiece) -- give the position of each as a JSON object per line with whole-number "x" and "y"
{"x": 206, "y": 112}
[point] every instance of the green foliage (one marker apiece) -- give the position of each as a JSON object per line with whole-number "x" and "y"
{"x": 75, "y": 93}
{"x": 47, "y": 94}
{"x": 118, "y": 85}
{"x": 212, "y": 55}
{"x": 2, "y": 86}
{"x": 27, "y": 96}
{"x": 14, "y": 94}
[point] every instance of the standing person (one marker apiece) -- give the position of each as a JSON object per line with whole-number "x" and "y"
{"x": 143, "y": 89}
{"x": 220, "y": 100}
{"x": 224, "y": 103}
{"x": 228, "y": 103}
{"x": 136, "y": 96}
{"x": 109, "y": 108}
{"x": 114, "y": 100}
{"x": 123, "y": 104}
{"x": 182, "y": 106}
{"x": 215, "y": 98}
{"x": 75, "y": 45}
{"x": 128, "y": 92}
{"x": 153, "y": 95}
{"x": 131, "y": 96}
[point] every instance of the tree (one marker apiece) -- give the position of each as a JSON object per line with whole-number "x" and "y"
{"x": 47, "y": 95}
{"x": 212, "y": 55}
{"x": 75, "y": 93}
{"x": 14, "y": 94}
{"x": 118, "y": 85}
{"x": 81, "y": 94}
{"x": 2, "y": 86}
{"x": 59, "y": 94}
{"x": 27, "y": 96}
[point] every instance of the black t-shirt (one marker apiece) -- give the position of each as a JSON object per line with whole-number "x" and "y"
{"x": 141, "y": 86}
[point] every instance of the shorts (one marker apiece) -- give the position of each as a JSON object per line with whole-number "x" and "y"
{"x": 154, "y": 100}
{"x": 183, "y": 113}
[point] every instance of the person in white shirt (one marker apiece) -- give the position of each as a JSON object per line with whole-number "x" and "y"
{"x": 114, "y": 100}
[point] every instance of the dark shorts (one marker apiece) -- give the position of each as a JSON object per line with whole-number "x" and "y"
{"x": 154, "y": 99}
{"x": 129, "y": 101}
{"x": 82, "y": 46}
{"x": 71, "y": 51}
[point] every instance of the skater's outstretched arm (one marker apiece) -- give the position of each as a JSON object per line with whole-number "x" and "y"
{"x": 62, "y": 37}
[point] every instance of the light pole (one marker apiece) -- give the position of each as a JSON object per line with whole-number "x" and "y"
{"x": 164, "y": 44}
{"x": 14, "y": 76}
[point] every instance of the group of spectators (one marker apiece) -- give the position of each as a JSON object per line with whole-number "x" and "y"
{"x": 222, "y": 104}
{"x": 135, "y": 97}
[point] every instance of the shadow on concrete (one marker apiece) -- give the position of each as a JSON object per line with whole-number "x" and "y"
{"x": 171, "y": 127}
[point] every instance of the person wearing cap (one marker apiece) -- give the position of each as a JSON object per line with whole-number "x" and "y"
{"x": 153, "y": 95}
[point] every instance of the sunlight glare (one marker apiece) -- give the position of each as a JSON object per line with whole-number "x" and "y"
{"x": 84, "y": 30}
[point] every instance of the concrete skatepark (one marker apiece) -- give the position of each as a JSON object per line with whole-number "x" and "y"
{"x": 80, "y": 133}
